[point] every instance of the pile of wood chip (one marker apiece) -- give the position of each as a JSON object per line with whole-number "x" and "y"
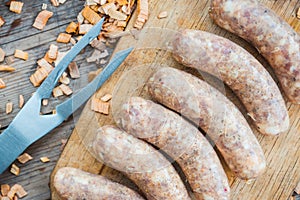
{"x": 12, "y": 193}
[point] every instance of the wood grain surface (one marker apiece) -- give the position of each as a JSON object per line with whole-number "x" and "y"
{"x": 151, "y": 51}
{"x": 18, "y": 33}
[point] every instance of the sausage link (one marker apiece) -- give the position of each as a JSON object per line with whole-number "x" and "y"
{"x": 72, "y": 183}
{"x": 249, "y": 80}
{"x": 215, "y": 114}
{"x": 180, "y": 140}
{"x": 145, "y": 166}
{"x": 274, "y": 38}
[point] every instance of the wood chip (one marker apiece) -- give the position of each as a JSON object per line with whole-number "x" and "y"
{"x": 52, "y": 53}
{"x": 57, "y": 92}
{"x": 106, "y": 98}
{"x": 298, "y": 13}
{"x": 73, "y": 41}
{"x": 2, "y": 84}
{"x": 90, "y": 2}
{"x": 16, "y": 6}
{"x": 15, "y": 170}
{"x": 39, "y": 76}
{"x": 297, "y": 189}
{"x": 24, "y": 158}
{"x": 99, "y": 106}
{"x": 162, "y": 15}
{"x": 2, "y": 21}
{"x": 97, "y": 55}
{"x": 19, "y": 190}
{"x": 45, "y": 102}
{"x": 84, "y": 28}
{"x": 55, "y": 2}
{"x": 6, "y": 68}
{"x": 66, "y": 89}
{"x": 9, "y": 60}
{"x": 62, "y": 1}
{"x": 11, "y": 194}
{"x": 72, "y": 27}
{"x": 44, "y": 64}
{"x": 90, "y": 15}
{"x": 142, "y": 14}
{"x": 44, "y": 6}
{"x": 122, "y": 2}
{"x": 21, "y": 54}
{"x": 98, "y": 45}
{"x": 64, "y": 80}
{"x": 73, "y": 70}
{"x": 107, "y": 7}
{"x": 80, "y": 18}
{"x": 21, "y": 101}
{"x": 63, "y": 38}
{"x": 45, "y": 159}
{"x": 2, "y": 55}
{"x": 63, "y": 144}
{"x": 9, "y": 107}
{"x": 60, "y": 56}
{"x": 116, "y": 14}
{"x": 122, "y": 24}
{"x": 42, "y": 19}
{"x": 5, "y": 189}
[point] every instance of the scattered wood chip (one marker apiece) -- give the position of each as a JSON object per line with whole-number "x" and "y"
{"x": 21, "y": 101}
{"x": 298, "y": 13}
{"x": 97, "y": 55}
{"x": 19, "y": 190}
{"x": 45, "y": 102}
{"x": 80, "y": 18}
{"x": 90, "y": 15}
{"x": 52, "y": 53}
{"x": 44, "y": 64}
{"x": 42, "y": 19}
{"x": 106, "y": 98}
{"x": 84, "y": 28}
{"x": 142, "y": 14}
{"x": 9, "y": 107}
{"x": 162, "y": 15}
{"x": 44, "y": 6}
{"x": 60, "y": 56}
{"x": 2, "y": 84}
{"x": 99, "y": 106}
{"x": 297, "y": 189}
{"x": 39, "y": 76}
{"x": 6, "y": 68}
{"x": 114, "y": 14}
{"x": 64, "y": 80}
{"x": 24, "y": 158}
{"x": 21, "y": 54}
{"x": 73, "y": 41}
{"x": 16, "y": 6}
{"x": 49, "y": 60}
{"x": 63, "y": 38}
{"x": 45, "y": 159}
{"x": 72, "y": 27}
{"x": 5, "y": 189}
{"x": 11, "y": 194}
{"x": 73, "y": 70}
{"x": 98, "y": 45}
{"x": 57, "y": 92}
{"x": 63, "y": 144}
{"x": 55, "y": 3}
{"x": 2, "y": 21}
{"x": 9, "y": 60}
{"x": 62, "y": 1}
{"x": 66, "y": 89}
{"x": 15, "y": 170}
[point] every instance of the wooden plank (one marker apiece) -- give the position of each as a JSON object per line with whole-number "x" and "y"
{"x": 282, "y": 152}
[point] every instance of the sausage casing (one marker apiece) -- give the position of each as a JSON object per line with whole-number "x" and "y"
{"x": 144, "y": 165}
{"x": 180, "y": 140}
{"x": 72, "y": 183}
{"x": 274, "y": 38}
{"x": 215, "y": 114}
{"x": 240, "y": 71}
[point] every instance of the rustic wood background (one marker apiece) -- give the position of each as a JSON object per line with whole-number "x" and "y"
{"x": 18, "y": 33}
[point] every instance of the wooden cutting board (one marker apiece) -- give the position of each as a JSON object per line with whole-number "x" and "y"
{"x": 151, "y": 51}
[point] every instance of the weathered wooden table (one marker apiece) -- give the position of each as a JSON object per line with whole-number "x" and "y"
{"x": 18, "y": 33}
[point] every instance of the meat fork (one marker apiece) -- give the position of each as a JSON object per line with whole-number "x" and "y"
{"x": 29, "y": 126}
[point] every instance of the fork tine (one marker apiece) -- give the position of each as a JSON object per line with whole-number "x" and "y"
{"x": 47, "y": 86}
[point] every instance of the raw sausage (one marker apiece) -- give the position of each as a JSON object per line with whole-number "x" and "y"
{"x": 72, "y": 183}
{"x": 274, "y": 38}
{"x": 240, "y": 71}
{"x": 180, "y": 140}
{"x": 215, "y": 114}
{"x": 145, "y": 166}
